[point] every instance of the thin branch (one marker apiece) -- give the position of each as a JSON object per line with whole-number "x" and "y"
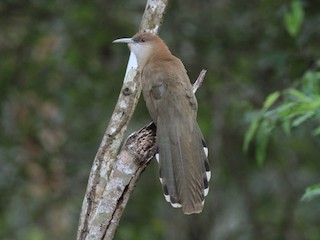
{"x": 199, "y": 80}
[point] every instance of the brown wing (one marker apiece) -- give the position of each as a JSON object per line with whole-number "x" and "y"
{"x": 183, "y": 162}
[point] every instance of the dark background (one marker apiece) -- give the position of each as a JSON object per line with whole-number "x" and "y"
{"x": 60, "y": 76}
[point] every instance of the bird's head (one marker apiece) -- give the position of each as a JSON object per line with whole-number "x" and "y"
{"x": 143, "y": 45}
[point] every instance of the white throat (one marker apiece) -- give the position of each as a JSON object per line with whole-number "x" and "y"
{"x": 142, "y": 52}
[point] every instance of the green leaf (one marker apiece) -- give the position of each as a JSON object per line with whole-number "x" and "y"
{"x": 262, "y": 137}
{"x": 302, "y": 118}
{"x": 293, "y": 19}
{"x": 311, "y": 192}
{"x": 250, "y": 133}
{"x": 270, "y": 100}
{"x": 297, "y": 94}
{"x": 262, "y": 141}
{"x": 302, "y": 108}
{"x": 284, "y": 110}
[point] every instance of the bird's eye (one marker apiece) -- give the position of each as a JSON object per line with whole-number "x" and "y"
{"x": 143, "y": 39}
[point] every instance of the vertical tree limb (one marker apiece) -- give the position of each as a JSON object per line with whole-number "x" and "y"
{"x": 107, "y": 179}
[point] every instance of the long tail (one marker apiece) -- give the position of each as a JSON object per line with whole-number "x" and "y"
{"x": 184, "y": 167}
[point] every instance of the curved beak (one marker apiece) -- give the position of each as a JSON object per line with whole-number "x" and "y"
{"x": 124, "y": 40}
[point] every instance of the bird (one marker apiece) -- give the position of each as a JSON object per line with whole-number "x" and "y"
{"x": 181, "y": 152}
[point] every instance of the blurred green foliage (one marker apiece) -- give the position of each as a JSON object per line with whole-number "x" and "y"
{"x": 296, "y": 107}
{"x": 59, "y": 81}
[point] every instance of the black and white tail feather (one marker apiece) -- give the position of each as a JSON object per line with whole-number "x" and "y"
{"x": 183, "y": 169}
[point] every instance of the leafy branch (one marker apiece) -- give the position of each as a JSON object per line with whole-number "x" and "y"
{"x": 288, "y": 109}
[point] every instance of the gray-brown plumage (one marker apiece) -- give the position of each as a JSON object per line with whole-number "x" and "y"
{"x": 167, "y": 91}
